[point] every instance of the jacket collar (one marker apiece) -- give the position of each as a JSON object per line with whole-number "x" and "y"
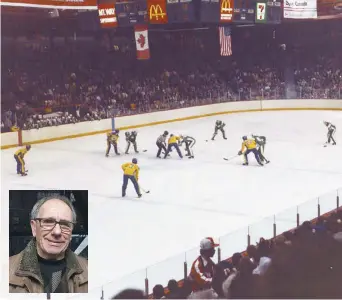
{"x": 29, "y": 265}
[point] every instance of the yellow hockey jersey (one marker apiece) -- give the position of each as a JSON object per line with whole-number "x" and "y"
{"x": 131, "y": 169}
{"x": 248, "y": 144}
{"x": 173, "y": 139}
{"x": 112, "y": 138}
{"x": 21, "y": 152}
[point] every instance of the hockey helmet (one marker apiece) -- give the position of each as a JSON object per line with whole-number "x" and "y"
{"x": 28, "y": 147}
{"x": 166, "y": 132}
{"x": 244, "y": 138}
{"x": 325, "y": 123}
{"x": 127, "y": 133}
{"x": 134, "y": 161}
{"x": 134, "y": 133}
{"x": 117, "y": 131}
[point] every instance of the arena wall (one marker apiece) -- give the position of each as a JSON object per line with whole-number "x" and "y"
{"x": 48, "y": 134}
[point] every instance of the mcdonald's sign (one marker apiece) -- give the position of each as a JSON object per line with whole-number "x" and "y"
{"x": 226, "y": 10}
{"x": 157, "y": 11}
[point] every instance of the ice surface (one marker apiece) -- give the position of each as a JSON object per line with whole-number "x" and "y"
{"x": 189, "y": 199}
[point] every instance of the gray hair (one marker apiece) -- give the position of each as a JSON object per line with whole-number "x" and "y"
{"x": 35, "y": 210}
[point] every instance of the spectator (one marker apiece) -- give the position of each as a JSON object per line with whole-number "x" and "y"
{"x": 174, "y": 290}
{"x": 130, "y": 294}
{"x": 203, "y": 268}
{"x": 158, "y": 292}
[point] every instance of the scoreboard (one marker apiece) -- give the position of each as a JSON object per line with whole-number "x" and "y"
{"x": 131, "y": 12}
{"x": 244, "y": 11}
{"x": 125, "y": 13}
{"x": 180, "y": 11}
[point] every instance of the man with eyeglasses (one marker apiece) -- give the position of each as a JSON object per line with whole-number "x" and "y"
{"x": 47, "y": 265}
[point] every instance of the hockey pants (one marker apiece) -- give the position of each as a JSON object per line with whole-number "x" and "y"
{"x": 161, "y": 147}
{"x": 256, "y": 154}
{"x": 331, "y": 136}
{"x": 20, "y": 164}
{"x": 109, "y": 145}
{"x": 223, "y": 133}
{"x": 169, "y": 148}
{"x": 188, "y": 148}
{"x": 134, "y": 145}
{"x": 125, "y": 183}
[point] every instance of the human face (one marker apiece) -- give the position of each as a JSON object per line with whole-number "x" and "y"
{"x": 52, "y": 242}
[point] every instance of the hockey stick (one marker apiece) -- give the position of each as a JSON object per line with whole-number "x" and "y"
{"x": 230, "y": 158}
{"x": 146, "y": 192}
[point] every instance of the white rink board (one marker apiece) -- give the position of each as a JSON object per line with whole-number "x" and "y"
{"x": 87, "y": 128}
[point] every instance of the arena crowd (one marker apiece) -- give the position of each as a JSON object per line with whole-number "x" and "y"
{"x": 48, "y": 83}
{"x": 301, "y": 263}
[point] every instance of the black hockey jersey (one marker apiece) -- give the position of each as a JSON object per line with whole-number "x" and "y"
{"x": 331, "y": 127}
{"x": 219, "y": 125}
{"x": 188, "y": 140}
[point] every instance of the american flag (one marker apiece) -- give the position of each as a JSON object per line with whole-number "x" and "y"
{"x": 225, "y": 41}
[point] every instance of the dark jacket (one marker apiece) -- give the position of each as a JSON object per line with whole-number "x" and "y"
{"x": 25, "y": 275}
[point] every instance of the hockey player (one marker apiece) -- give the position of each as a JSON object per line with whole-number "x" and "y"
{"x": 131, "y": 138}
{"x": 161, "y": 143}
{"x": 261, "y": 142}
{"x": 250, "y": 145}
{"x": 330, "y": 134}
{"x": 19, "y": 158}
{"x": 219, "y": 125}
{"x": 189, "y": 143}
{"x": 173, "y": 143}
{"x": 131, "y": 172}
{"x": 112, "y": 140}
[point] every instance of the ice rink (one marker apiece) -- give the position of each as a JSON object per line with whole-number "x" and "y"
{"x": 189, "y": 199}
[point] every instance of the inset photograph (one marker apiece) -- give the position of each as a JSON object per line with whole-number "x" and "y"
{"x": 48, "y": 241}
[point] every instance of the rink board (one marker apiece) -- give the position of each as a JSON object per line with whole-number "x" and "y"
{"x": 49, "y": 134}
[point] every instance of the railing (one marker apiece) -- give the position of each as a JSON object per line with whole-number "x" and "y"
{"x": 220, "y": 96}
{"x": 178, "y": 267}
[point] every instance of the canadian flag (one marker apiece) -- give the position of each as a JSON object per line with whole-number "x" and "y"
{"x": 141, "y": 40}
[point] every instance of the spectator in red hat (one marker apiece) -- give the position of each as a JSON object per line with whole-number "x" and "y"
{"x": 203, "y": 268}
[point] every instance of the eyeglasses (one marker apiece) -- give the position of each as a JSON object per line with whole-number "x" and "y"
{"x": 49, "y": 224}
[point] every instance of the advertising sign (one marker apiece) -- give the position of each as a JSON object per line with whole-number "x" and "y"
{"x": 300, "y": 9}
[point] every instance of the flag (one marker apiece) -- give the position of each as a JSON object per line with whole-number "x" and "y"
{"x": 141, "y": 41}
{"x": 225, "y": 41}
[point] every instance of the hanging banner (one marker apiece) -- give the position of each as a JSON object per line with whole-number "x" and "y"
{"x": 141, "y": 41}
{"x": 57, "y": 4}
{"x": 107, "y": 15}
{"x": 300, "y": 9}
{"x": 156, "y": 10}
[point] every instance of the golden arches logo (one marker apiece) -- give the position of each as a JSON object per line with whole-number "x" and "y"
{"x": 157, "y": 12}
{"x": 226, "y": 6}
